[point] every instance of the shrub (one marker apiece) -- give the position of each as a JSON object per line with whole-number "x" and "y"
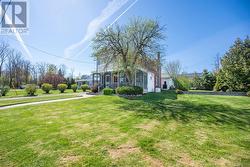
{"x": 94, "y": 89}
{"x": 84, "y": 87}
{"x": 182, "y": 83}
{"x": 138, "y": 90}
{"x": 108, "y": 91}
{"x": 4, "y": 90}
{"x": 74, "y": 87}
{"x": 46, "y": 87}
{"x": 30, "y": 89}
{"x": 62, "y": 87}
{"x": 248, "y": 93}
{"x": 129, "y": 90}
{"x": 178, "y": 91}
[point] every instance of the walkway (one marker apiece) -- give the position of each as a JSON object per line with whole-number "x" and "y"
{"x": 45, "y": 102}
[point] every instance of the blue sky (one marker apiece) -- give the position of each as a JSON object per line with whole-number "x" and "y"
{"x": 196, "y": 29}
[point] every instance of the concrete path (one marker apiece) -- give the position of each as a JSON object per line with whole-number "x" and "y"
{"x": 45, "y": 102}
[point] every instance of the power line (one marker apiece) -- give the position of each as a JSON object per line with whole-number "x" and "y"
{"x": 5, "y": 11}
{"x": 51, "y": 54}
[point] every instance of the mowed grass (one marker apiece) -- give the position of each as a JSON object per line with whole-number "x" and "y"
{"x": 10, "y": 101}
{"x": 39, "y": 92}
{"x": 153, "y": 130}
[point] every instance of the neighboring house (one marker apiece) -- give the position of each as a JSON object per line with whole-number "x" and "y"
{"x": 148, "y": 79}
{"x": 191, "y": 75}
{"x": 85, "y": 79}
{"x": 166, "y": 81}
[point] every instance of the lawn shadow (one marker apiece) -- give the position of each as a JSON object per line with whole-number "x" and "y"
{"x": 165, "y": 106}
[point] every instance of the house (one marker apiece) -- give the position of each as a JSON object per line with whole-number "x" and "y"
{"x": 166, "y": 81}
{"x": 147, "y": 78}
{"x": 85, "y": 79}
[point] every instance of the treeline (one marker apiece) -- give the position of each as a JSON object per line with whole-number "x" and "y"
{"x": 231, "y": 73}
{"x": 15, "y": 71}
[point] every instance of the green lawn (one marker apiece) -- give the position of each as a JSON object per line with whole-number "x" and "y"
{"x": 40, "y": 92}
{"x": 153, "y": 130}
{"x": 33, "y": 99}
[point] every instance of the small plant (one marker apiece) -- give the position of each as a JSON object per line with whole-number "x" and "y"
{"x": 30, "y": 89}
{"x": 248, "y": 93}
{"x": 46, "y": 87}
{"x": 4, "y": 90}
{"x": 94, "y": 89}
{"x": 178, "y": 91}
{"x": 84, "y": 87}
{"x": 74, "y": 87}
{"x": 108, "y": 91}
{"x": 62, "y": 87}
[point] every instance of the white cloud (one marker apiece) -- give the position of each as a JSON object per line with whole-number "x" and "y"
{"x": 111, "y": 8}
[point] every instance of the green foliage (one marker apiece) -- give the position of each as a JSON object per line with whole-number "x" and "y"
{"x": 46, "y": 87}
{"x": 94, "y": 89}
{"x": 197, "y": 83}
{"x": 62, "y": 87}
{"x": 248, "y": 93}
{"x": 208, "y": 80}
{"x": 205, "y": 82}
{"x": 108, "y": 91}
{"x": 129, "y": 90}
{"x": 74, "y": 87}
{"x": 30, "y": 89}
{"x": 182, "y": 83}
{"x": 4, "y": 90}
{"x": 84, "y": 87}
{"x": 70, "y": 81}
{"x": 178, "y": 91}
{"x": 235, "y": 67}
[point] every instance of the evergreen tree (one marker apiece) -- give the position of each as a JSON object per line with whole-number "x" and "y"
{"x": 235, "y": 71}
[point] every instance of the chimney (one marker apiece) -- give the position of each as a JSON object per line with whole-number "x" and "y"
{"x": 158, "y": 84}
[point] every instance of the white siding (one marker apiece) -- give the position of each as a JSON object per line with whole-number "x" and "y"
{"x": 151, "y": 82}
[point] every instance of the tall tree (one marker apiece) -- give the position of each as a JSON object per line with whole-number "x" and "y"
{"x": 136, "y": 43}
{"x": 173, "y": 68}
{"x": 4, "y": 53}
{"x": 235, "y": 67}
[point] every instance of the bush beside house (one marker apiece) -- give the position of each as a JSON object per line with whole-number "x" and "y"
{"x": 129, "y": 90}
{"x": 84, "y": 87}
{"x": 108, "y": 91}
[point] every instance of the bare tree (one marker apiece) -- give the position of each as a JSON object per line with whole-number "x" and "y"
{"x": 4, "y": 53}
{"x": 129, "y": 46}
{"x": 217, "y": 62}
{"x": 173, "y": 68}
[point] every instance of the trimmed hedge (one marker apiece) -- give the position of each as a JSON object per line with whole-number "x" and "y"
{"x": 74, "y": 87}
{"x": 62, "y": 87}
{"x": 108, "y": 91}
{"x": 30, "y": 89}
{"x": 84, "y": 87}
{"x": 4, "y": 90}
{"x": 129, "y": 90}
{"x": 46, "y": 87}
